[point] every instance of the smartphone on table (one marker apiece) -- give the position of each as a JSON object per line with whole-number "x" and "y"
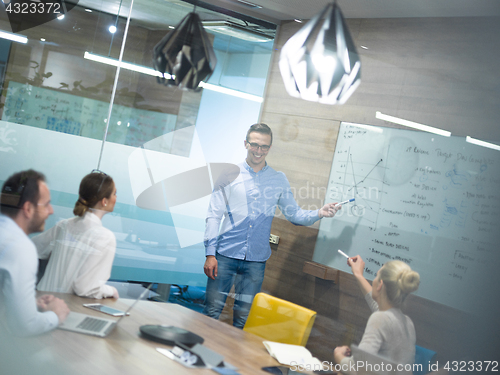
{"x": 105, "y": 309}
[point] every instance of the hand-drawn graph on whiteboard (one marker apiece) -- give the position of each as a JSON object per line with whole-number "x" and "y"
{"x": 430, "y": 201}
{"x": 354, "y": 178}
{"x": 365, "y": 173}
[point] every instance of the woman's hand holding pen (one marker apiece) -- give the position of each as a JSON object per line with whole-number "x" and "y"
{"x": 357, "y": 265}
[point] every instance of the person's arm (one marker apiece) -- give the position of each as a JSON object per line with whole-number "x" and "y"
{"x": 328, "y": 210}
{"x": 211, "y": 267}
{"x": 357, "y": 265}
{"x": 44, "y": 242}
{"x": 23, "y": 317}
{"x": 342, "y": 356}
{"x": 340, "y": 352}
{"x": 370, "y": 342}
{"x": 50, "y": 303}
{"x": 296, "y": 215}
{"x": 376, "y": 328}
{"x": 96, "y": 270}
{"x": 217, "y": 208}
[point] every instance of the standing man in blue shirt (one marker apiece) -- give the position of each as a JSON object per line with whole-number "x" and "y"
{"x": 236, "y": 253}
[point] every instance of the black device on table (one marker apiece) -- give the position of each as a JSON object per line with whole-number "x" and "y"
{"x": 283, "y": 370}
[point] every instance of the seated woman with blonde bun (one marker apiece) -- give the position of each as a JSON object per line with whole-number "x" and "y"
{"x": 389, "y": 333}
{"x": 81, "y": 250}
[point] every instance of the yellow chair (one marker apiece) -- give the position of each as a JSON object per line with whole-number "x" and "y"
{"x": 278, "y": 320}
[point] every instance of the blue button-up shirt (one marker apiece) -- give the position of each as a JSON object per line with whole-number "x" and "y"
{"x": 246, "y": 207}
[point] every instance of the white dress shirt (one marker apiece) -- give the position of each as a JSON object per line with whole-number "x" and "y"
{"x": 18, "y": 268}
{"x": 81, "y": 254}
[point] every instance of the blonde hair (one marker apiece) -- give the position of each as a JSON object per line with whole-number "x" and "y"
{"x": 399, "y": 280}
{"x": 93, "y": 188}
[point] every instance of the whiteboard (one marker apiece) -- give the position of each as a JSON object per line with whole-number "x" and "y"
{"x": 428, "y": 200}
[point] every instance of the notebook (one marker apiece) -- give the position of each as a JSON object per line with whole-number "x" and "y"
{"x": 91, "y": 325}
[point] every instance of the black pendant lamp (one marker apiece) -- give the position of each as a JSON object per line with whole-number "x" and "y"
{"x": 185, "y": 56}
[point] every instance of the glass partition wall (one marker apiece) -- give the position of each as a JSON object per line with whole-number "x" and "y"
{"x": 64, "y": 111}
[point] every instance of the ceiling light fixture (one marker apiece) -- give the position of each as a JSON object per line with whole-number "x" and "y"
{"x": 88, "y": 10}
{"x": 248, "y": 4}
{"x": 112, "y": 29}
{"x": 123, "y": 65}
{"x": 235, "y": 30}
{"x": 411, "y": 124}
{"x": 155, "y": 73}
{"x": 185, "y": 56}
{"x": 238, "y": 94}
{"x": 320, "y": 63}
{"x": 482, "y": 143}
{"x": 13, "y": 37}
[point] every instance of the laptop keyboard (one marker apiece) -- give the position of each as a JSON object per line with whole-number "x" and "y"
{"x": 92, "y": 324}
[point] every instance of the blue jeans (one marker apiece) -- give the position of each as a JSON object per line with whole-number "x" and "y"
{"x": 247, "y": 278}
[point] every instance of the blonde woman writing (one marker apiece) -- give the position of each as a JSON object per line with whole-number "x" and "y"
{"x": 389, "y": 333}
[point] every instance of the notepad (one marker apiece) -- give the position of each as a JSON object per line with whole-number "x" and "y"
{"x": 292, "y": 355}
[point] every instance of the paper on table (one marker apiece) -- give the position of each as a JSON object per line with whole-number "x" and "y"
{"x": 291, "y": 355}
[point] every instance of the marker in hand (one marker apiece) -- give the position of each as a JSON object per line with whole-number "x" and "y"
{"x": 344, "y": 202}
{"x": 344, "y": 254}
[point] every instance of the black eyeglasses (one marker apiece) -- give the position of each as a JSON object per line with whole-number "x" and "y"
{"x": 104, "y": 176}
{"x": 255, "y": 146}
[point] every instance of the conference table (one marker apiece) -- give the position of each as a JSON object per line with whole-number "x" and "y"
{"x": 124, "y": 351}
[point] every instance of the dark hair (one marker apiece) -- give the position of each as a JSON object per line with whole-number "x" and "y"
{"x": 20, "y": 188}
{"x": 260, "y": 128}
{"x": 93, "y": 188}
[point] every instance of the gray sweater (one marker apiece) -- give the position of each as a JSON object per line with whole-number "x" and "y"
{"x": 389, "y": 334}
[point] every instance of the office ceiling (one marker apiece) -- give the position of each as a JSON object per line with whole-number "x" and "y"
{"x": 157, "y": 13}
{"x": 282, "y": 10}
{"x": 160, "y": 14}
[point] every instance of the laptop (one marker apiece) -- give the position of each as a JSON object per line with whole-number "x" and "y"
{"x": 372, "y": 364}
{"x": 91, "y": 325}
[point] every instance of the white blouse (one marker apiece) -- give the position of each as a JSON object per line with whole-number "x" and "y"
{"x": 81, "y": 255}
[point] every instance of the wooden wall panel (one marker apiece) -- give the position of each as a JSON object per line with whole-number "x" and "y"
{"x": 425, "y": 70}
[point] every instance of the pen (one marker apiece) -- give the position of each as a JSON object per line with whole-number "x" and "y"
{"x": 344, "y": 254}
{"x": 344, "y": 202}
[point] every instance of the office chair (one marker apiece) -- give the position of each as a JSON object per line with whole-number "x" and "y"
{"x": 278, "y": 320}
{"x": 423, "y": 357}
